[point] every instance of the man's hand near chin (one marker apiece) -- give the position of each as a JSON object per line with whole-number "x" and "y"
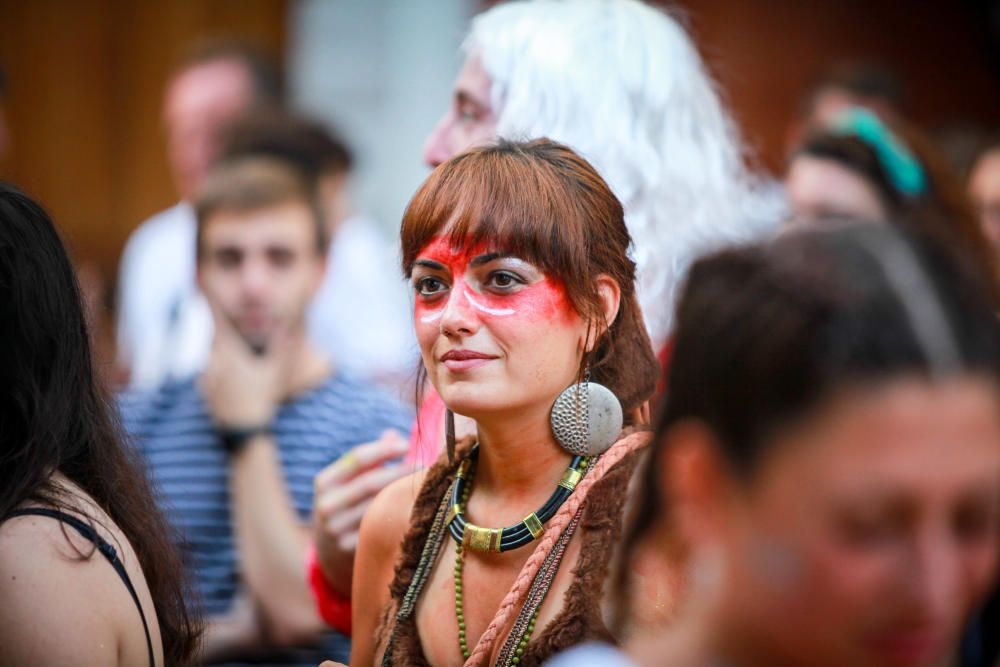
{"x": 243, "y": 383}
{"x": 243, "y": 389}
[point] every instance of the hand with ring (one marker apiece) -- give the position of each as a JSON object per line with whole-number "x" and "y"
{"x": 342, "y": 493}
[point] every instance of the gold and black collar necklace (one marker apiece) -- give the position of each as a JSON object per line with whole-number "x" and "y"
{"x": 497, "y": 540}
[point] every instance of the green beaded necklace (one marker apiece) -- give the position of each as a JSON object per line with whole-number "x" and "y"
{"x": 463, "y": 643}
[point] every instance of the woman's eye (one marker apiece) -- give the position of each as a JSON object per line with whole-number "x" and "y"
{"x": 429, "y": 286}
{"x": 504, "y": 280}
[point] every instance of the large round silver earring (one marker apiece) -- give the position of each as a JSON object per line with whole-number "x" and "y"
{"x": 586, "y": 418}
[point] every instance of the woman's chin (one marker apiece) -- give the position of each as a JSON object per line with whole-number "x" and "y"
{"x": 472, "y": 409}
{"x": 472, "y": 402}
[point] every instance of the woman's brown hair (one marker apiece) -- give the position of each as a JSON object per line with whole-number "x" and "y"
{"x": 544, "y": 203}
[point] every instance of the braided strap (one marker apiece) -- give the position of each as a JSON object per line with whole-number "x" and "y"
{"x": 428, "y": 556}
{"x": 514, "y": 598}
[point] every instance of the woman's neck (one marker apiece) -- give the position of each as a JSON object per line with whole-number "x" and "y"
{"x": 519, "y": 457}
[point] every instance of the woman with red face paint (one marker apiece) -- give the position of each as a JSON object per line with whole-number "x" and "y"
{"x": 527, "y": 320}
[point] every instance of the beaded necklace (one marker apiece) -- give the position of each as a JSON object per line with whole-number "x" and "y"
{"x": 514, "y": 648}
{"x": 436, "y": 535}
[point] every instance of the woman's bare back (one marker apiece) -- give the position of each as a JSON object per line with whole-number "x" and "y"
{"x": 64, "y": 603}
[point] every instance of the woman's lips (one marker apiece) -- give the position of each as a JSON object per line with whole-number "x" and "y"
{"x": 464, "y": 360}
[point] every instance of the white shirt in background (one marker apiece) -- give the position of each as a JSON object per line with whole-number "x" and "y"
{"x": 591, "y": 655}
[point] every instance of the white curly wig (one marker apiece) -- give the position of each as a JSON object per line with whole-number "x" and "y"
{"x": 622, "y": 83}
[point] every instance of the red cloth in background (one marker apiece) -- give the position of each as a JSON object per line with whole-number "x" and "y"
{"x": 332, "y": 607}
{"x": 666, "y": 353}
{"x": 427, "y": 434}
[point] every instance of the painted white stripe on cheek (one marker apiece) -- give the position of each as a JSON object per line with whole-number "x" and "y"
{"x": 436, "y": 315}
{"x": 498, "y": 312}
{"x": 501, "y": 312}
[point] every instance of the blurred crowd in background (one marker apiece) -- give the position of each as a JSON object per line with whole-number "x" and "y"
{"x": 135, "y": 125}
{"x": 374, "y": 74}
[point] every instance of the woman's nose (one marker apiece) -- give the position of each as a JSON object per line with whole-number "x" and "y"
{"x": 459, "y": 316}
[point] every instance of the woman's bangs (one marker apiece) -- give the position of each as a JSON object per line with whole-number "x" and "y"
{"x": 499, "y": 205}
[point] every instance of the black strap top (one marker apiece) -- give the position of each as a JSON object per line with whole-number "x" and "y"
{"x": 106, "y": 550}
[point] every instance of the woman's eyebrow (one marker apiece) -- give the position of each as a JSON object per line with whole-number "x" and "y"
{"x": 429, "y": 263}
{"x": 489, "y": 257}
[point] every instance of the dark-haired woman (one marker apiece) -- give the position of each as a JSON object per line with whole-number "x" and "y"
{"x": 829, "y": 455}
{"x": 861, "y": 167}
{"x": 527, "y": 320}
{"x": 87, "y": 572}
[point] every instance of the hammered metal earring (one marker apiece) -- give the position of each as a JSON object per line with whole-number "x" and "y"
{"x": 586, "y": 417}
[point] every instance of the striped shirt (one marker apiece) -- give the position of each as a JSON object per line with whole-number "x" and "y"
{"x": 173, "y": 429}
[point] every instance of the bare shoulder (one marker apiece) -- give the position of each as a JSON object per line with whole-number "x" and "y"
{"x": 52, "y": 590}
{"x": 382, "y": 530}
{"x": 379, "y": 546}
{"x": 387, "y": 519}
{"x": 56, "y": 584}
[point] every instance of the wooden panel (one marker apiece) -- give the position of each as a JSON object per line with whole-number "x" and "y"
{"x": 765, "y": 52}
{"x": 85, "y": 85}
{"x": 60, "y": 111}
{"x": 86, "y": 79}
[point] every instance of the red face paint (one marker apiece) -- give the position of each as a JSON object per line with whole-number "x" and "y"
{"x": 544, "y": 299}
{"x": 494, "y": 330}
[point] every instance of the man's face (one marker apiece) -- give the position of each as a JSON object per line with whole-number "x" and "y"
{"x": 471, "y": 119}
{"x": 260, "y": 269}
{"x": 199, "y": 103}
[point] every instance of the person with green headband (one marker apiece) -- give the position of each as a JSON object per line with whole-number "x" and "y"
{"x": 862, "y": 167}
{"x": 856, "y": 167}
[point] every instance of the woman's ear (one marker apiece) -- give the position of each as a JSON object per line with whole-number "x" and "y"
{"x": 610, "y": 295}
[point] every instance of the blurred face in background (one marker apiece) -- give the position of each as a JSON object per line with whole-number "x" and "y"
{"x": 259, "y": 269}
{"x": 829, "y": 103}
{"x": 832, "y": 101}
{"x": 199, "y": 102}
{"x": 866, "y": 534}
{"x": 471, "y": 119}
{"x": 819, "y": 187}
{"x": 984, "y": 189}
